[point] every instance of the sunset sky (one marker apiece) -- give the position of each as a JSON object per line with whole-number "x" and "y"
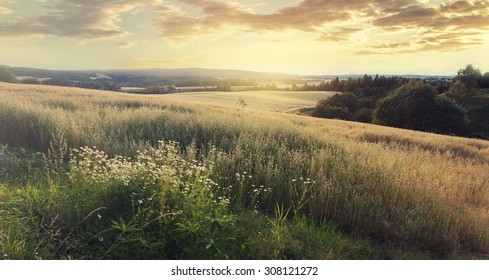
{"x": 290, "y": 36}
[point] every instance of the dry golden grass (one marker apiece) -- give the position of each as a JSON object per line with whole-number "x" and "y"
{"x": 383, "y": 182}
{"x": 274, "y": 101}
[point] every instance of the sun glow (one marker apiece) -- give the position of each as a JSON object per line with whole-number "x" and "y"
{"x": 302, "y": 37}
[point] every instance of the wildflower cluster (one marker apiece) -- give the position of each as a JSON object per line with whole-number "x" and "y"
{"x": 154, "y": 166}
{"x": 162, "y": 186}
{"x": 301, "y": 192}
{"x": 256, "y": 194}
{"x": 89, "y": 165}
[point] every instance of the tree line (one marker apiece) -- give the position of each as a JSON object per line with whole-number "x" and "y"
{"x": 432, "y": 105}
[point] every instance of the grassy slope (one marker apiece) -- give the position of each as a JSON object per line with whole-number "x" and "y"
{"x": 274, "y": 101}
{"x": 411, "y": 189}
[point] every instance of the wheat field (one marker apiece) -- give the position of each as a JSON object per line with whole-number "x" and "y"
{"x": 406, "y": 188}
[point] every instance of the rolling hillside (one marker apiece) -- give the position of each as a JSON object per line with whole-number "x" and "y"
{"x": 272, "y": 185}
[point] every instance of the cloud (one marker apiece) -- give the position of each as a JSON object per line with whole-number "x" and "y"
{"x": 309, "y": 16}
{"x": 341, "y": 35}
{"x": 464, "y": 6}
{"x": 5, "y": 11}
{"x": 125, "y": 45}
{"x": 410, "y": 16}
{"x": 429, "y": 41}
{"x": 329, "y": 18}
{"x": 377, "y": 26}
{"x": 91, "y": 19}
{"x": 452, "y": 26}
{"x": 459, "y": 15}
{"x": 338, "y": 21}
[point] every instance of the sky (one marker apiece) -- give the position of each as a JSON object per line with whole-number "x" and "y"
{"x": 430, "y": 37}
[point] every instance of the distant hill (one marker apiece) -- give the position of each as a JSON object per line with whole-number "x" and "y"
{"x": 163, "y": 72}
{"x": 170, "y": 80}
{"x": 189, "y": 72}
{"x": 204, "y": 72}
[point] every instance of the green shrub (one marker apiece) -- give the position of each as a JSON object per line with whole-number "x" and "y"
{"x": 177, "y": 199}
{"x": 416, "y": 106}
{"x": 339, "y": 106}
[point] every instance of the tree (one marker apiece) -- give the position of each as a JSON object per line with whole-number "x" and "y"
{"x": 324, "y": 110}
{"x": 363, "y": 115}
{"x": 339, "y": 106}
{"x": 469, "y": 76}
{"x": 31, "y": 81}
{"x": 457, "y": 92}
{"x": 350, "y": 85}
{"x": 484, "y": 80}
{"x": 60, "y": 82}
{"x": 347, "y": 99}
{"x": 407, "y": 107}
{"x": 6, "y": 75}
{"x": 450, "y": 118}
{"x": 416, "y": 106}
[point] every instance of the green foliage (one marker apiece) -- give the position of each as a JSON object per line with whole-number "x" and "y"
{"x": 469, "y": 76}
{"x": 31, "y": 81}
{"x": 60, "y": 81}
{"x": 158, "y": 90}
{"x": 477, "y": 107}
{"x": 347, "y": 100}
{"x": 160, "y": 190}
{"x": 6, "y": 75}
{"x": 458, "y": 92}
{"x": 19, "y": 165}
{"x": 330, "y": 112}
{"x": 279, "y": 231}
{"x": 363, "y": 115}
{"x": 416, "y": 106}
{"x": 339, "y": 106}
{"x": 484, "y": 80}
{"x": 451, "y": 118}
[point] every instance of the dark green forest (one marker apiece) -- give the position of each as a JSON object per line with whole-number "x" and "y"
{"x": 455, "y": 106}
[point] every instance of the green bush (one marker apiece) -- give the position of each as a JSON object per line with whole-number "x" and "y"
{"x": 416, "y": 106}
{"x": 331, "y": 112}
{"x": 31, "y": 81}
{"x": 363, "y": 115}
{"x": 6, "y": 75}
{"x": 178, "y": 200}
{"x": 339, "y": 106}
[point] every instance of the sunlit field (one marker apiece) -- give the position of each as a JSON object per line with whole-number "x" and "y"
{"x": 275, "y": 101}
{"x": 228, "y": 175}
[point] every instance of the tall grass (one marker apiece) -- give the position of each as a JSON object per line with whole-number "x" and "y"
{"x": 406, "y": 188}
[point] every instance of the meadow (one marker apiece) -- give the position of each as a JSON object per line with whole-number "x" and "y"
{"x": 95, "y": 175}
{"x": 273, "y": 101}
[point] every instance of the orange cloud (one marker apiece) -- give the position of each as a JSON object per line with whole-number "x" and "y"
{"x": 125, "y": 45}
{"x": 410, "y": 16}
{"x": 459, "y": 15}
{"x": 449, "y": 27}
{"x": 81, "y": 19}
{"x": 341, "y": 35}
{"x": 429, "y": 41}
{"x": 328, "y": 18}
{"x": 309, "y": 16}
{"x": 413, "y": 25}
{"x": 5, "y": 11}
